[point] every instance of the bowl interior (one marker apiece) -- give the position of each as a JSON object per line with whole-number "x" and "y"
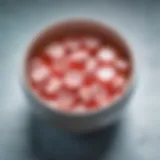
{"x": 78, "y": 28}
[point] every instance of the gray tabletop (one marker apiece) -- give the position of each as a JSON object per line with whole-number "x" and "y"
{"x": 137, "y": 136}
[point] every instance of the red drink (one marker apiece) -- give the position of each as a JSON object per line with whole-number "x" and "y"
{"x": 78, "y": 73}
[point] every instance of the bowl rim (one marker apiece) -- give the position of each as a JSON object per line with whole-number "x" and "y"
{"x": 108, "y": 107}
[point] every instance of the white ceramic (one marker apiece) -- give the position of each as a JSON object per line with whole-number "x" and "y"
{"x": 73, "y": 122}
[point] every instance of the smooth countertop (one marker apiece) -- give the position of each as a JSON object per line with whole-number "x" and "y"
{"x": 136, "y": 136}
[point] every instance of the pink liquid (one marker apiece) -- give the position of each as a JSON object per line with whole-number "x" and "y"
{"x": 78, "y": 74}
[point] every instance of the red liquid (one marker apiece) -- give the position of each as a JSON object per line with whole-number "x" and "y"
{"x": 78, "y": 74}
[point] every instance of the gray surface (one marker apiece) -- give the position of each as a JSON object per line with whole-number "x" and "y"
{"x": 136, "y": 137}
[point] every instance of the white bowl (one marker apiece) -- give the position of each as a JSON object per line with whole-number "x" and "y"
{"x": 89, "y": 121}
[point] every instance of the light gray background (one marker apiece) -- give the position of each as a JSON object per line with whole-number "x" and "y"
{"x": 138, "y": 134}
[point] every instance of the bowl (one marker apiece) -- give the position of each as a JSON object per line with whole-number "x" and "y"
{"x": 89, "y": 121}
